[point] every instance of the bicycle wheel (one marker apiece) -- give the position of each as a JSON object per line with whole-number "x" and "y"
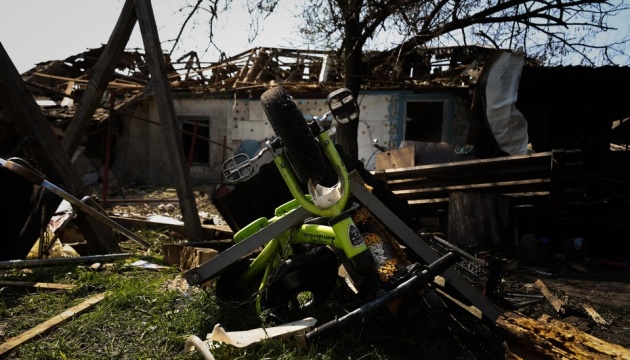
{"x": 289, "y": 124}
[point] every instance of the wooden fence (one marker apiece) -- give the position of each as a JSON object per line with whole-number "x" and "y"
{"x": 548, "y": 179}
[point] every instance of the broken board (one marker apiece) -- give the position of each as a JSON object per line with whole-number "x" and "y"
{"x": 396, "y": 159}
{"x": 79, "y": 309}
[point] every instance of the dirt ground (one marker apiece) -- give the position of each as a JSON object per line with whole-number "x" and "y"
{"x": 605, "y": 288}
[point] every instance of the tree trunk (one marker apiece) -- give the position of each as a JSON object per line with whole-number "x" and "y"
{"x": 354, "y": 69}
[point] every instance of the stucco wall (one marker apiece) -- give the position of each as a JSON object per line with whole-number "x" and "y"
{"x": 141, "y": 156}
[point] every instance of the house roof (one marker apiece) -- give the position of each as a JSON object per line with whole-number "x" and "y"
{"x": 248, "y": 74}
{"x": 303, "y": 72}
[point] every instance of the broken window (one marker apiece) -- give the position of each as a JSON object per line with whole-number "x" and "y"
{"x": 195, "y": 138}
{"x": 424, "y": 121}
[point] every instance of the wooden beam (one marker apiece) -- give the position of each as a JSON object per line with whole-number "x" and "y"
{"x": 36, "y": 134}
{"x": 38, "y": 138}
{"x": 101, "y": 74}
{"x": 16, "y": 341}
{"x": 38, "y": 285}
{"x": 533, "y": 185}
{"x": 462, "y": 168}
{"x": 170, "y": 127}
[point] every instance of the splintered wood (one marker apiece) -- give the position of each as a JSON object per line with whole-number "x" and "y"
{"x": 556, "y": 302}
{"x": 547, "y": 338}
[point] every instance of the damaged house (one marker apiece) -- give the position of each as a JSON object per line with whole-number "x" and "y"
{"x": 424, "y": 99}
{"x": 220, "y": 114}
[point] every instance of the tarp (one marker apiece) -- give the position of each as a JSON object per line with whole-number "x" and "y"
{"x": 507, "y": 123}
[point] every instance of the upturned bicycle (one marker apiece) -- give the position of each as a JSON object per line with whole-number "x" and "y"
{"x": 337, "y": 235}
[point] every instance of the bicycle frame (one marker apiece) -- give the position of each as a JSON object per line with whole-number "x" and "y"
{"x": 342, "y": 233}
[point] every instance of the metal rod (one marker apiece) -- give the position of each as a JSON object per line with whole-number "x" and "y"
{"x": 15, "y": 264}
{"x": 193, "y": 140}
{"x": 108, "y": 151}
{"x": 141, "y": 200}
{"x": 416, "y": 282}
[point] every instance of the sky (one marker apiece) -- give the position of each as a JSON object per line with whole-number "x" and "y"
{"x": 32, "y": 31}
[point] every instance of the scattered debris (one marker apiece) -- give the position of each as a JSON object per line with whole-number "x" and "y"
{"x": 246, "y": 338}
{"x": 147, "y": 265}
{"x": 558, "y": 304}
{"x": 181, "y": 285}
{"x": 547, "y": 338}
{"x": 594, "y": 315}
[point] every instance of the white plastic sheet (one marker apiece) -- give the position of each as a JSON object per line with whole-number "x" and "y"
{"x": 507, "y": 123}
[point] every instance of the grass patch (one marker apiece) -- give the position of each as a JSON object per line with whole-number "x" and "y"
{"x": 140, "y": 319}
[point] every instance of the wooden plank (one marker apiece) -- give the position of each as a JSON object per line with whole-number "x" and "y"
{"x": 396, "y": 158}
{"x": 595, "y": 315}
{"x": 495, "y": 187}
{"x": 38, "y": 285}
{"x": 79, "y": 309}
{"x": 506, "y": 163}
{"x": 557, "y": 303}
{"x": 210, "y": 232}
{"x": 473, "y": 177}
{"x": 469, "y": 166}
{"x": 170, "y": 126}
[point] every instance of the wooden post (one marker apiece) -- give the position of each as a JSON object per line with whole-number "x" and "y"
{"x": 556, "y": 178}
{"x": 38, "y": 138}
{"x": 479, "y": 221}
{"x": 166, "y": 109}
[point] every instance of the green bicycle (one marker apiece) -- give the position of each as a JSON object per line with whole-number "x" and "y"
{"x": 321, "y": 230}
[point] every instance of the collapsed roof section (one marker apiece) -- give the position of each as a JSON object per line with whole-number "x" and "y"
{"x": 58, "y": 84}
{"x": 258, "y": 67}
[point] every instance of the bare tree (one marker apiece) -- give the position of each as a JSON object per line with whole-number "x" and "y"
{"x": 259, "y": 9}
{"x": 553, "y": 31}
{"x": 550, "y": 30}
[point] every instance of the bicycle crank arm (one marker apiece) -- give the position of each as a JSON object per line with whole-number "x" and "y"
{"x": 416, "y": 282}
{"x": 37, "y": 179}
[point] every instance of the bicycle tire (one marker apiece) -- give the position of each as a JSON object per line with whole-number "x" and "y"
{"x": 289, "y": 124}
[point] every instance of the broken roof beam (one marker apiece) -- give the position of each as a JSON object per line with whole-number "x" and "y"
{"x": 244, "y": 68}
{"x": 101, "y": 73}
{"x": 128, "y": 84}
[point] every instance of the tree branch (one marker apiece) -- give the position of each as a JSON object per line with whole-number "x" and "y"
{"x": 181, "y": 29}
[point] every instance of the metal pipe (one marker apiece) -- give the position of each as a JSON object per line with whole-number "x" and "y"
{"x": 416, "y": 282}
{"x": 15, "y": 264}
{"x": 142, "y": 200}
{"x": 108, "y": 151}
{"x": 193, "y": 140}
